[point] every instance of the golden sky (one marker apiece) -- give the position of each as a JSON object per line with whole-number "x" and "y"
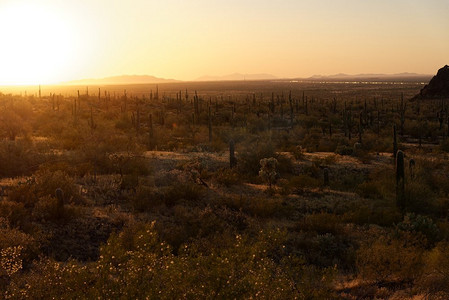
{"x": 48, "y": 41}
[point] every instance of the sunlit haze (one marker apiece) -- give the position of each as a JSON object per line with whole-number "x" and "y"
{"x": 45, "y": 41}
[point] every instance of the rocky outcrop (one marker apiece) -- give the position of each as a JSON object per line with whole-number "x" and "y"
{"x": 438, "y": 86}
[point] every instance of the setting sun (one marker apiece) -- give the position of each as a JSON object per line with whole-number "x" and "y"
{"x": 37, "y": 44}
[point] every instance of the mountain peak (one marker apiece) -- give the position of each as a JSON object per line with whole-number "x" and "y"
{"x": 121, "y": 79}
{"x": 237, "y": 77}
{"x": 438, "y": 86}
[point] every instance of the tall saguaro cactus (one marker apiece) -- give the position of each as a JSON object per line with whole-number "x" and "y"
{"x": 400, "y": 181}
{"x": 232, "y": 159}
{"x": 60, "y": 201}
{"x": 210, "y": 126}
{"x": 395, "y": 143}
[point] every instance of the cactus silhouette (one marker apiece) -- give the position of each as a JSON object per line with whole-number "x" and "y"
{"x": 400, "y": 181}
{"x": 395, "y": 143}
{"x": 60, "y": 201}
{"x": 326, "y": 176}
{"x": 232, "y": 159}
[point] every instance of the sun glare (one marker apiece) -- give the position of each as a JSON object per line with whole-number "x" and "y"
{"x": 36, "y": 45}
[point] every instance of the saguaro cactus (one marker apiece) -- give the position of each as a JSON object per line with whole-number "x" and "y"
{"x": 151, "y": 132}
{"x": 210, "y": 126}
{"x": 326, "y": 176}
{"x": 400, "y": 181}
{"x": 395, "y": 143}
{"x": 411, "y": 167}
{"x": 232, "y": 159}
{"x": 60, "y": 201}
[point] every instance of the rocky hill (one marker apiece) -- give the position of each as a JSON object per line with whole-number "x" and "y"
{"x": 438, "y": 86}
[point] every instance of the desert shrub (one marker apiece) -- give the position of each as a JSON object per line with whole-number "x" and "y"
{"x": 47, "y": 209}
{"x": 248, "y": 158}
{"x": 227, "y": 177}
{"x": 321, "y": 223}
{"x": 191, "y": 224}
{"x": 268, "y": 170}
{"x": 129, "y": 182}
{"x": 181, "y": 192}
{"x": 43, "y": 184}
{"x": 369, "y": 189}
{"x": 344, "y": 150}
{"x": 421, "y": 198}
{"x": 46, "y": 182}
{"x": 311, "y": 140}
{"x": 263, "y": 207}
{"x": 284, "y": 187}
{"x": 435, "y": 278}
{"x": 15, "y": 213}
{"x": 388, "y": 258}
{"x": 18, "y": 158}
{"x": 285, "y": 164}
{"x": 296, "y": 151}
{"x": 146, "y": 199}
{"x": 304, "y": 181}
{"x": 379, "y": 213}
{"x": 242, "y": 268}
{"x": 418, "y": 224}
{"x": 348, "y": 181}
{"x": 17, "y": 250}
{"x": 324, "y": 250}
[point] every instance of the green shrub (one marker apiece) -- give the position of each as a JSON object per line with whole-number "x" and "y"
{"x": 419, "y": 224}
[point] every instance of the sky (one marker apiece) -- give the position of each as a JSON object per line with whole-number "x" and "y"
{"x": 48, "y": 41}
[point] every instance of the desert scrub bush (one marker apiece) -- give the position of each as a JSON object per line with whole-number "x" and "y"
{"x": 435, "y": 277}
{"x": 249, "y": 157}
{"x": 321, "y": 223}
{"x": 387, "y": 258}
{"x": 344, "y": 150}
{"x": 268, "y": 170}
{"x": 420, "y": 225}
{"x": 130, "y": 163}
{"x": 348, "y": 181}
{"x": 324, "y": 250}
{"x": 192, "y": 223}
{"x": 304, "y": 181}
{"x": 378, "y": 212}
{"x": 42, "y": 184}
{"x": 369, "y": 189}
{"x": 420, "y": 197}
{"x": 17, "y": 251}
{"x": 55, "y": 280}
{"x": 181, "y": 192}
{"x": 146, "y": 199}
{"x": 263, "y": 207}
{"x": 227, "y": 177}
{"x": 49, "y": 209}
{"x": 311, "y": 141}
{"x": 18, "y": 158}
{"x": 14, "y": 213}
{"x": 243, "y": 268}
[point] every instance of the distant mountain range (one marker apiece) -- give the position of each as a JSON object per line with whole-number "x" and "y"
{"x": 371, "y": 77}
{"x": 123, "y": 79}
{"x": 148, "y": 79}
{"x": 237, "y": 77}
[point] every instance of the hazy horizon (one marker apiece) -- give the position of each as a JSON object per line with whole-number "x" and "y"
{"x": 49, "y": 41}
